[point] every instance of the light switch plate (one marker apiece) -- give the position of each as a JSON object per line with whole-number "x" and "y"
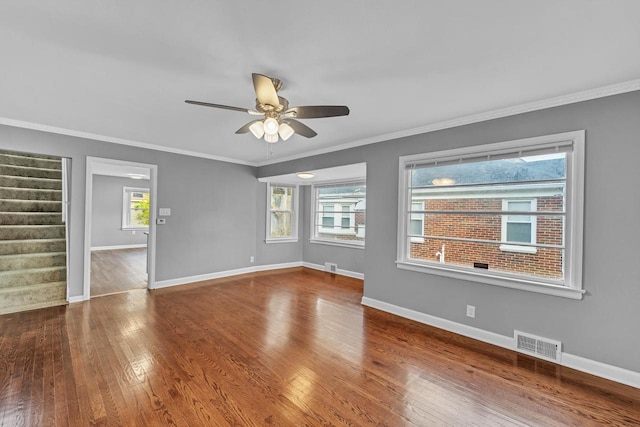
{"x": 165, "y": 212}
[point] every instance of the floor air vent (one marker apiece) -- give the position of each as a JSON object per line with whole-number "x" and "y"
{"x": 543, "y": 348}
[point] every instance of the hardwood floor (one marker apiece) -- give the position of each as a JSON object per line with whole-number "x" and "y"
{"x": 289, "y": 348}
{"x": 118, "y": 270}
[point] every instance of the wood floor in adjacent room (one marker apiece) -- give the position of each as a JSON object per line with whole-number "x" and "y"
{"x": 118, "y": 270}
{"x": 287, "y": 348}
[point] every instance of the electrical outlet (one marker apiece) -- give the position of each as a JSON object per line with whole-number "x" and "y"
{"x": 471, "y": 311}
{"x": 251, "y": 259}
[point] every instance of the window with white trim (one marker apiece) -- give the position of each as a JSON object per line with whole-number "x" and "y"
{"x": 282, "y": 215}
{"x": 519, "y": 228}
{"x": 462, "y": 197}
{"x": 338, "y": 213}
{"x": 135, "y": 208}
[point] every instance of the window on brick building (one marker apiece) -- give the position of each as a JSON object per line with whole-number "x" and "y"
{"x": 453, "y": 219}
{"x": 338, "y": 213}
{"x": 519, "y": 231}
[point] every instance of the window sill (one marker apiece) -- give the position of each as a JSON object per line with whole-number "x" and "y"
{"x": 489, "y": 279}
{"x": 519, "y": 249}
{"x": 135, "y": 229}
{"x": 284, "y": 240}
{"x": 337, "y": 243}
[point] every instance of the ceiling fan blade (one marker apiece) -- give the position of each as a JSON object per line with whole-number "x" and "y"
{"x": 317, "y": 111}
{"x": 224, "y": 107}
{"x": 301, "y": 129}
{"x": 245, "y": 128}
{"x": 265, "y": 90}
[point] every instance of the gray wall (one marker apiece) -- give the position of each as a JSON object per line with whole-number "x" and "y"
{"x": 601, "y": 327}
{"x": 213, "y": 220}
{"x": 106, "y": 219}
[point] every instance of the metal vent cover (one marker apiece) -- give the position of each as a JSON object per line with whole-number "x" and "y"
{"x": 543, "y": 348}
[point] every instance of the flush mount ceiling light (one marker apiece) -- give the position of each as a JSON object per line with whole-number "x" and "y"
{"x": 305, "y": 175}
{"x": 278, "y": 119}
{"x": 136, "y": 176}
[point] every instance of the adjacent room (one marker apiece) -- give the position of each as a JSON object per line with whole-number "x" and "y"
{"x": 332, "y": 213}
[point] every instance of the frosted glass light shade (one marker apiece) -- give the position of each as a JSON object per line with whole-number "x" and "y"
{"x": 271, "y": 126}
{"x": 257, "y": 129}
{"x": 285, "y": 131}
{"x": 271, "y": 138}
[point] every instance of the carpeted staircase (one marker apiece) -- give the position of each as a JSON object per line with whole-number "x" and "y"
{"x": 32, "y": 235}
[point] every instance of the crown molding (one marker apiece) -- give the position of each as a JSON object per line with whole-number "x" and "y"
{"x": 601, "y": 92}
{"x": 121, "y": 141}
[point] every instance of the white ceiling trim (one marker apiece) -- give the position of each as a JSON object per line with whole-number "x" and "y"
{"x": 615, "y": 89}
{"x": 131, "y": 143}
{"x": 586, "y": 95}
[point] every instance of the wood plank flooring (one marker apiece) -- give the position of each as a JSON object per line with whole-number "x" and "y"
{"x": 289, "y": 348}
{"x": 118, "y": 270}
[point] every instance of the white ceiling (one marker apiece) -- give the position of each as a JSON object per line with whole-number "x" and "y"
{"x": 121, "y": 70}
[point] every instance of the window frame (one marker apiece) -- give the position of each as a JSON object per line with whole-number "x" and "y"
{"x": 572, "y": 286}
{"x": 126, "y": 208}
{"x": 294, "y": 215}
{"x": 514, "y": 247}
{"x": 338, "y": 215}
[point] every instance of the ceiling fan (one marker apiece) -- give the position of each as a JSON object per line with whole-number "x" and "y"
{"x": 277, "y": 118}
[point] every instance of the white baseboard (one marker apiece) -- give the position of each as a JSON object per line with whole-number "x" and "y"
{"x": 221, "y": 274}
{"x": 592, "y": 367}
{"x": 72, "y": 300}
{"x": 110, "y": 248}
{"x": 339, "y": 271}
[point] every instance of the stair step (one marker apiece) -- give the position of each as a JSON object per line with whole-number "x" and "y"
{"x": 30, "y": 206}
{"x": 30, "y": 218}
{"x": 32, "y": 246}
{"x": 22, "y": 154}
{"x": 36, "y": 162}
{"x": 30, "y": 194}
{"x": 18, "y": 278}
{"x": 26, "y": 261}
{"x": 30, "y": 182}
{"x": 33, "y": 296}
{"x": 21, "y": 232}
{"x": 29, "y": 171}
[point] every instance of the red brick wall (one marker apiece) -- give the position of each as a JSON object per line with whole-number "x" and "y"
{"x": 544, "y": 263}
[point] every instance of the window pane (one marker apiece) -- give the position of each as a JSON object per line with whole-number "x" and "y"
{"x": 340, "y": 212}
{"x": 545, "y": 263}
{"x": 548, "y": 167}
{"x": 139, "y": 209}
{"x": 415, "y": 227}
{"x": 281, "y": 224}
{"x": 519, "y": 232}
{"x": 281, "y": 198}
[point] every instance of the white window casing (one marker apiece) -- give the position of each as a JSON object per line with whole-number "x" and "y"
{"x": 571, "y": 144}
{"x": 128, "y": 196}
{"x": 291, "y": 211}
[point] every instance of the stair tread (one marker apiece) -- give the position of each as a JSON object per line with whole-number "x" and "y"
{"x": 35, "y": 306}
{"x": 14, "y": 241}
{"x": 30, "y": 225}
{"x": 35, "y": 254}
{"x": 16, "y": 289}
{"x": 30, "y": 167}
{"x": 31, "y": 270}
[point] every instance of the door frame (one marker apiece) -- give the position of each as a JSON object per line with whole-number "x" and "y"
{"x": 92, "y": 164}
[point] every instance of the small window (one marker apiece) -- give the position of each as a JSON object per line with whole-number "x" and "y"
{"x": 519, "y": 228}
{"x": 507, "y": 214}
{"x": 135, "y": 208}
{"x": 282, "y": 217}
{"x": 339, "y": 213}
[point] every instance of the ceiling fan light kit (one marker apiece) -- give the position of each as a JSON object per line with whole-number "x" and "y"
{"x": 279, "y": 120}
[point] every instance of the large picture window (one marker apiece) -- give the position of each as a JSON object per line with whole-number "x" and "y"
{"x": 135, "y": 208}
{"x": 507, "y": 214}
{"x": 338, "y": 213}
{"x": 282, "y": 216}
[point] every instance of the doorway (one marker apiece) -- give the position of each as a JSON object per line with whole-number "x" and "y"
{"x": 119, "y": 226}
